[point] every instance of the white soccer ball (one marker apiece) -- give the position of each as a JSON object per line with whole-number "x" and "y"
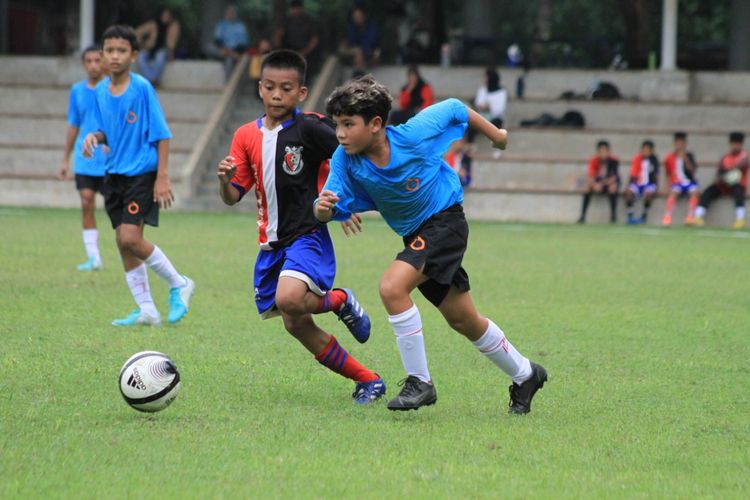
{"x": 149, "y": 381}
{"x": 733, "y": 176}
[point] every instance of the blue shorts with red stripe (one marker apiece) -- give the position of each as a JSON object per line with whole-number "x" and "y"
{"x": 309, "y": 258}
{"x": 686, "y": 188}
{"x": 641, "y": 189}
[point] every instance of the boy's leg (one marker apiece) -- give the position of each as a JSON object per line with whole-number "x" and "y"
{"x": 629, "y": 202}
{"x": 90, "y": 233}
{"x": 692, "y": 204}
{"x": 459, "y": 310}
{"x": 738, "y": 193}
{"x": 585, "y": 206}
{"x": 612, "y": 189}
{"x": 709, "y": 195}
{"x": 669, "y": 207}
{"x": 136, "y": 276}
{"x": 647, "y": 199}
{"x": 395, "y": 286}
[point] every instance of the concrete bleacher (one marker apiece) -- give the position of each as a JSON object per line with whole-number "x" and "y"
{"x": 541, "y": 174}
{"x": 34, "y": 94}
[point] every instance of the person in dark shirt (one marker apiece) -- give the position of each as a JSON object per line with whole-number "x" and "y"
{"x": 361, "y": 44}
{"x": 644, "y": 180}
{"x": 603, "y": 177}
{"x": 300, "y": 34}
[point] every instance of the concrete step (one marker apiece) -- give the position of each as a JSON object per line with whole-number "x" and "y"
{"x": 54, "y": 102}
{"x": 560, "y": 207}
{"x": 514, "y": 174}
{"x": 35, "y": 162}
{"x": 51, "y": 132}
{"x": 638, "y": 116}
{"x": 199, "y": 75}
{"x": 581, "y": 143}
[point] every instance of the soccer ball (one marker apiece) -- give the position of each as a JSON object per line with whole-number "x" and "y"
{"x": 149, "y": 381}
{"x": 733, "y": 176}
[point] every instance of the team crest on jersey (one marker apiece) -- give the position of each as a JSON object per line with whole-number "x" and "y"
{"x": 293, "y": 163}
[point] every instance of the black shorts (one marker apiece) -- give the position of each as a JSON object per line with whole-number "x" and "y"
{"x": 439, "y": 247}
{"x": 130, "y": 200}
{"x": 92, "y": 182}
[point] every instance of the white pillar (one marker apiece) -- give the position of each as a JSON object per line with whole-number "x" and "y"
{"x": 669, "y": 36}
{"x": 86, "y": 24}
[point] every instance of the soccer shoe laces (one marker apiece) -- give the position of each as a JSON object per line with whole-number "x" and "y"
{"x": 410, "y": 386}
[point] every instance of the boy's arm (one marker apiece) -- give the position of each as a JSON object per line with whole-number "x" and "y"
{"x": 162, "y": 189}
{"x": 70, "y": 139}
{"x": 92, "y": 141}
{"x": 229, "y": 194}
{"x": 498, "y": 136}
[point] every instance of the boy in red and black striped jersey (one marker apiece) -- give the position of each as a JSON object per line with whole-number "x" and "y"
{"x": 680, "y": 167}
{"x": 284, "y": 157}
{"x": 603, "y": 177}
{"x": 731, "y": 180}
{"x": 644, "y": 181}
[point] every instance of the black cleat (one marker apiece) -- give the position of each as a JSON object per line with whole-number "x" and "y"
{"x": 414, "y": 395}
{"x": 521, "y": 395}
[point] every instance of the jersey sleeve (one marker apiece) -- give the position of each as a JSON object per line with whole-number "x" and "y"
{"x": 319, "y": 133}
{"x": 244, "y": 178}
{"x": 352, "y": 198}
{"x": 635, "y": 167}
{"x": 594, "y": 167}
{"x": 74, "y": 116}
{"x": 158, "y": 130}
{"x": 434, "y": 128}
{"x": 480, "y": 101}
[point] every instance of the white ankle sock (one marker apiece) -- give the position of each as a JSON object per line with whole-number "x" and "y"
{"x": 138, "y": 283}
{"x": 91, "y": 243}
{"x": 700, "y": 211}
{"x": 739, "y": 213}
{"x": 495, "y": 346}
{"x": 160, "y": 264}
{"x": 408, "y": 329}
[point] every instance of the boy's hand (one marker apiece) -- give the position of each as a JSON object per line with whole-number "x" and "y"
{"x": 352, "y": 226}
{"x": 323, "y": 209}
{"x": 90, "y": 143}
{"x": 62, "y": 170}
{"x": 163, "y": 192}
{"x": 227, "y": 170}
{"x": 500, "y": 139}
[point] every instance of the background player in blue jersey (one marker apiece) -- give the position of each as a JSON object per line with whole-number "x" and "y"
{"x": 89, "y": 172}
{"x": 284, "y": 157}
{"x": 400, "y": 171}
{"x": 131, "y": 123}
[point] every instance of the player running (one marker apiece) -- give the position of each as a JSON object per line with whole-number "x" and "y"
{"x": 89, "y": 172}
{"x": 284, "y": 156}
{"x": 644, "y": 181}
{"x": 400, "y": 171}
{"x": 131, "y": 123}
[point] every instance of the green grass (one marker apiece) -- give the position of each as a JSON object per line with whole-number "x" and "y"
{"x": 644, "y": 333}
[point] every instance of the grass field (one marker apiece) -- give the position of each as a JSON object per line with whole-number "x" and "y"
{"x": 644, "y": 333}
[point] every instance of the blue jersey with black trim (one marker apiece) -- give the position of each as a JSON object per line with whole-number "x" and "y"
{"x": 133, "y": 123}
{"x": 417, "y": 182}
{"x": 82, "y": 115}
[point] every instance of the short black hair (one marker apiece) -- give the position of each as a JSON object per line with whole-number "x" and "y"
{"x": 121, "y": 31}
{"x": 363, "y": 96}
{"x": 602, "y": 144}
{"x": 648, "y": 143}
{"x": 91, "y": 48}
{"x": 737, "y": 137}
{"x": 680, "y": 135}
{"x": 286, "y": 59}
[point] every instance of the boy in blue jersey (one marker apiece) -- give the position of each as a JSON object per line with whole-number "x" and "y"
{"x": 400, "y": 171}
{"x": 89, "y": 172}
{"x": 131, "y": 123}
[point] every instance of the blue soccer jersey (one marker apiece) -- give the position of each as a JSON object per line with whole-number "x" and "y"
{"x": 82, "y": 115}
{"x": 134, "y": 123}
{"x": 416, "y": 184}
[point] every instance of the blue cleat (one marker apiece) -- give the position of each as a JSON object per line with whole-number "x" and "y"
{"x": 93, "y": 264}
{"x": 179, "y": 300}
{"x": 369, "y": 392}
{"x": 354, "y": 317}
{"x": 633, "y": 221}
{"x": 138, "y": 317}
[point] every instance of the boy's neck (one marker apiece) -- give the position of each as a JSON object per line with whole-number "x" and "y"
{"x": 93, "y": 81}
{"x": 379, "y": 151}
{"x": 119, "y": 82}
{"x": 271, "y": 123}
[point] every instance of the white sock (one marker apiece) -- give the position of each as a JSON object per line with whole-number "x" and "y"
{"x": 495, "y": 346}
{"x": 739, "y": 213}
{"x": 700, "y": 211}
{"x": 408, "y": 329}
{"x": 138, "y": 282}
{"x": 91, "y": 243}
{"x": 160, "y": 264}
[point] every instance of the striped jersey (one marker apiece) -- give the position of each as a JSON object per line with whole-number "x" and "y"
{"x": 644, "y": 170}
{"x": 287, "y": 167}
{"x": 677, "y": 170}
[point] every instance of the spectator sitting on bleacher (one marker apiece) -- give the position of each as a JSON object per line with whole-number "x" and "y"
{"x": 300, "y": 34}
{"x": 603, "y": 177}
{"x": 361, "y": 44}
{"x": 679, "y": 168}
{"x": 459, "y": 158}
{"x": 731, "y": 179}
{"x": 231, "y": 40}
{"x": 492, "y": 99}
{"x": 158, "y": 39}
{"x": 414, "y": 97}
{"x": 644, "y": 181}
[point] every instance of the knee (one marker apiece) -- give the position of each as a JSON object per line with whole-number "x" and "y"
{"x": 296, "y": 325}
{"x": 391, "y": 291}
{"x": 127, "y": 242}
{"x": 289, "y": 304}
